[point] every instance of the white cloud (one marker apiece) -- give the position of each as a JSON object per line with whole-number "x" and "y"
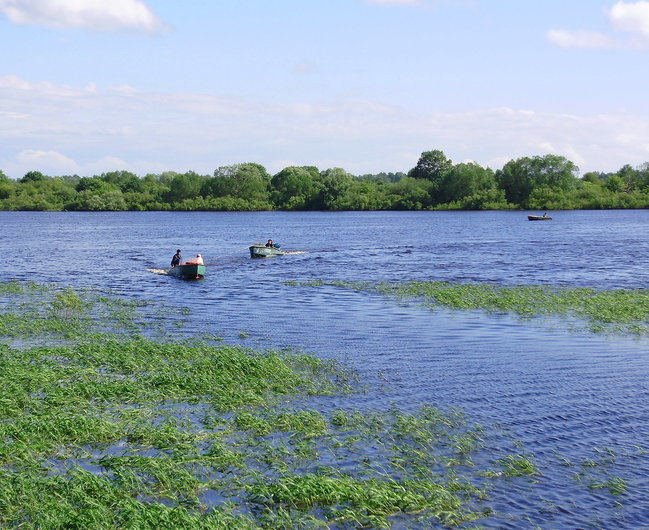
{"x": 632, "y": 17}
{"x": 126, "y": 90}
{"x": 100, "y": 15}
{"x": 579, "y": 39}
{"x": 61, "y": 129}
{"x": 55, "y": 162}
{"x": 43, "y": 87}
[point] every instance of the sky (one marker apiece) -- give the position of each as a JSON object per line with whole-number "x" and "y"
{"x": 90, "y": 86}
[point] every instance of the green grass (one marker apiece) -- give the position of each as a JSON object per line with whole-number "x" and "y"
{"x": 615, "y": 485}
{"x": 622, "y": 311}
{"x": 103, "y": 425}
{"x": 106, "y": 423}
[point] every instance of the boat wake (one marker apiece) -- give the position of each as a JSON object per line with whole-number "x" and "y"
{"x": 288, "y": 253}
{"x": 158, "y": 271}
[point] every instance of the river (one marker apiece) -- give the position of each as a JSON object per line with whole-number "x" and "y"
{"x": 567, "y": 395}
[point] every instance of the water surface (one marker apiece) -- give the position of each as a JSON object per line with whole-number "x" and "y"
{"x": 566, "y": 396}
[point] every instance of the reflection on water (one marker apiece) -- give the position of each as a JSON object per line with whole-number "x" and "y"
{"x": 575, "y": 401}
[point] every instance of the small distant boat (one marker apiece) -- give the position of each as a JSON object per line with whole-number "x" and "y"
{"x": 259, "y": 250}
{"x": 539, "y": 218}
{"x": 188, "y": 271}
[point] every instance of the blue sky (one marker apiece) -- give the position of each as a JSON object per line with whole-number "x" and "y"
{"x": 88, "y": 86}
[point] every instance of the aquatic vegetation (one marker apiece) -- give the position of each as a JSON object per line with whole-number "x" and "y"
{"x": 517, "y": 466}
{"x": 103, "y": 425}
{"x": 615, "y": 485}
{"x": 611, "y": 311}
{"x": 361, "y": 502}
{"x": 66, "y": 304}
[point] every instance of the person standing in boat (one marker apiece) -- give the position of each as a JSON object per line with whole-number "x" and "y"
{"x": 270, "y": 243}
{"x": 175, "y": 260}
{"x": 199, "y": 259}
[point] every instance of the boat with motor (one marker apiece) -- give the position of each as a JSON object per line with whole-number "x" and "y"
{"x": 188, "y": 271}
{"x": 259, "y": 250}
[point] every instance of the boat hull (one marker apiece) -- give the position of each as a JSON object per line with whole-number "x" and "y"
{"x": 188, "y": 271}
{"x": 538, "y": 218}
{"x": 262, "y": 251}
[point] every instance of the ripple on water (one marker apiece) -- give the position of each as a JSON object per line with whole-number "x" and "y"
{"x": 563, "y": 395}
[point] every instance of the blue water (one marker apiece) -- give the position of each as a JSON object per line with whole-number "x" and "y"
{"x": 567, "y": 396}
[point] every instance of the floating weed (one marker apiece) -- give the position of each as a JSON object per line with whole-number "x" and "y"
{"x": 595, "y": 472}
{"x": 515, "y": 466}
{"x": 12, "y": 287}
{"x": 67, "y": 304}
{"x": 103, "y": 427}
{"x": 361, "y": 502}
{"x": 616, "y": 311}
{"x": 615, "y": 485}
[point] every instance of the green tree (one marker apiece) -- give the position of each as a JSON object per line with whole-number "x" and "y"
{"x": 615, "y": 184}
{"x": 248, "y": 181}
{"x": 106, "y": 201}
{"x": 464, "y": 180}
{"x": 124, "y": 180}
{"x": 518, "y": 178}
{"x": 185, "y": 186}
{"x": 33, "y": 176}
{"x": 361, "y": 195}
{"x": 432, "y": 165}
{"x": 643, "y": 176}
{"x": 95, "y": 185}
{"x": 411, "y": 194}
{"x": 333, "y": 184}
{"x": 630, "y": 178}
{"x": 294, "y": 188}
{"x": 383, "y": 177}
{"x": 594, "y": 177}
{"x": 6, "y": 187}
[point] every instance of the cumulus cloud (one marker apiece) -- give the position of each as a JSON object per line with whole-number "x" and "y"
{"x": 631, "y": 18}
{"x": 99, "y": 15}
{"x": 63, "y": 130}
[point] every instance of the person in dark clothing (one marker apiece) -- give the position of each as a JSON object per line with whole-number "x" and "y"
{"x": 270, "y": 243}
{"x": 176, "y": 259}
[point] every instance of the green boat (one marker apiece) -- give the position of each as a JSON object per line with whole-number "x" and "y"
{"x": 259, "y": 250}
{"x": 188, "y": 271}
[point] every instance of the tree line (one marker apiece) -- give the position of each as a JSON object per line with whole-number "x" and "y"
{"x": 548, "y": 182}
